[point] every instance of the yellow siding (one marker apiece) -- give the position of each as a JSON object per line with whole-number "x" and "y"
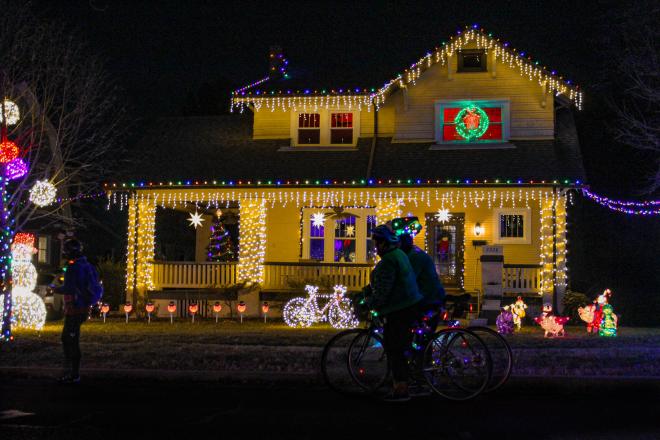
{"x": 272, "y": 125}
{"x": 283, "y": 229}
{"x": 529, "y": 119}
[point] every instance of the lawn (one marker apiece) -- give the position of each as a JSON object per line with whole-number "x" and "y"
{"x": 273, "y": 346}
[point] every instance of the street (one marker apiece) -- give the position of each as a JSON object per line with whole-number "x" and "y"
{"x": 525, "y": 408}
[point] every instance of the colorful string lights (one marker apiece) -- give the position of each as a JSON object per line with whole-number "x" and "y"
{"x": 649, "y": 207}
{"x": 43, "y": 193}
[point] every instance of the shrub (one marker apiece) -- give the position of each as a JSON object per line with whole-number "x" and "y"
{"x": 572, "y": 300}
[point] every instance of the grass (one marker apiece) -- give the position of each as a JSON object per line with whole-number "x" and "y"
{"x": 273, "y": 346}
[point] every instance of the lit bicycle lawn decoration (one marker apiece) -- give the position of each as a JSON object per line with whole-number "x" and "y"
{"x": 471, "y": 122}
{"x": 303, "y": 312}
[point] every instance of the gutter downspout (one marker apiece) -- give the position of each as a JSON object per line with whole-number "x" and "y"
{"x": 372, "y": 153}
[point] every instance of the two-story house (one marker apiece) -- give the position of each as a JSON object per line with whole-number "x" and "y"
{"x": 474, "y": 138}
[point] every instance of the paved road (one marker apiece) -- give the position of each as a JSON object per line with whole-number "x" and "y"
{"x": 533, "y": 408}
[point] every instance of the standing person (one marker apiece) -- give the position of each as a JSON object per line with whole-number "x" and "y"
{"x": 81, "y": 290}
{"x": 394, "y": 295}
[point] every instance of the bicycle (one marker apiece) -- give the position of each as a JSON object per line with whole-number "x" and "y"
{"x": 303, "y": 312}
{"x": 455, "y": 363}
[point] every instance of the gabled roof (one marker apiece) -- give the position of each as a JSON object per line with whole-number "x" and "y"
{"x": 219, "y": 150}
{"x": 259, "y": 94}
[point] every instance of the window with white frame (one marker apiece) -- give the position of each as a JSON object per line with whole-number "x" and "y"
{"x": 309, "y": 129}
{"x": 341, "y": 128}
{"x": 42, "y": 250}
{"x": 512, "y": 226}
{"x": 471, "y": 121}
{"x": 337, "y": 238}
{"x": 325, "y": 128}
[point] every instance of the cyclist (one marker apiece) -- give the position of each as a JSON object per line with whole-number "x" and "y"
{"x": 427, "y": 278}
{"x": 394, "y": 295}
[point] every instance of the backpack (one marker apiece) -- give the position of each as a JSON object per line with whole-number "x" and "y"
{"x": 94, "y": 289}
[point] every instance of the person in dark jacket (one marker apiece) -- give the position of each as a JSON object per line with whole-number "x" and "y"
{"x": 395, "y": 296}
{"x": 80, "y": 281}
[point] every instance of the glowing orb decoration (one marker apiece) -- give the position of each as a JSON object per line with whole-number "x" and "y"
{"x": 171, "y": 307}
{"x": 43, "y": 193}
{"x": 128, "y": 308}
{"x": 241, "y": 307}
{"x": 196, "y": 219}
{"x": 217, "y": 307}
{"x": 105, "y": 308}
{"x": 318, "y": 219}
{"x": 193, "y": 308}
{"x": 16, "y": 169}
{"x": 9, "y": 112}
{"x": 443, "y": 215}
{"x": 8, "y": 151}
{"x": 265, "y": 307}
{"x": 149, "y": 307}
{"x": 28, "y": 309}
{"x": 471, "y": 123}
{"x": 303, "y": 312}
{"x": 24, "y": 276}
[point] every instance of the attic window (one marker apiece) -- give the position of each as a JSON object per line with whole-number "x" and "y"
{"x": 341, "y": 128}
{"x": 309, "y": 129}
{"x": 472, "y": 60}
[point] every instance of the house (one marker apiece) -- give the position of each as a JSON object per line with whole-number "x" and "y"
{"x": 474, "y": 138}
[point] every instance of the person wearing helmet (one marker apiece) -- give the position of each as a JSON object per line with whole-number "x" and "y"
{"x": 81, "y": 289}
{"x": 427, "y": 278}
{"x": 394, "y": 295}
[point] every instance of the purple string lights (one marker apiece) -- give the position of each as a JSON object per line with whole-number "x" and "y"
{"x": 648, "y": 207}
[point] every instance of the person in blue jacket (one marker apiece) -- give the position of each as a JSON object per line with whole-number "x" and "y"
{"x": 81, "y": 290}
{"x": 394, "y": 295}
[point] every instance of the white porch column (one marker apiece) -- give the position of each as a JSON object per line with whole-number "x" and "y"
{"x": 251, "y": 240}
{"x": 130, "y": 248}
{"x": 145, "y": 246}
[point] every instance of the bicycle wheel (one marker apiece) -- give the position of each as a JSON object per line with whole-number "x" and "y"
{"x": 456, "y": 364}
{"x": 367, "y": 361}
{"x": 500, "y": 354}
{"x": 334, "y": 363}
{"x": 341, "y": 314}
{"x": 296, "y": 313}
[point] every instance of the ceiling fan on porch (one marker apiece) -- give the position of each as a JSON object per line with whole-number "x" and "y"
{"x": 339, "y": 214}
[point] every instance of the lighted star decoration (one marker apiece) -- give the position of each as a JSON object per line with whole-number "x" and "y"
{"x": 443, "y": 215}
{"x": 350, "y": 231}
{"x": 196, "y": 219}
{"x": 318, "y": 219}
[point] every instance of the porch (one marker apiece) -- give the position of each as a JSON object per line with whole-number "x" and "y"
{"x": 517, "y": 279}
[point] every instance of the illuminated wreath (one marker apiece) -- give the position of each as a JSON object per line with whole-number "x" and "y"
{"x": 471, "y": 123}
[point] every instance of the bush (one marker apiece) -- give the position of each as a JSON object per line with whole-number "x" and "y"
{"x": 572, "y": 300}
{"x": 113, "y": 275}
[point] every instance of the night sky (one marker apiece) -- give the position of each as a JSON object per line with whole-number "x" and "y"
{"x": 162, "y": 54}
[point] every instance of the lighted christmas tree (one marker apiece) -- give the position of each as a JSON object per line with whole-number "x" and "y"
{"x": 221, "y": 247}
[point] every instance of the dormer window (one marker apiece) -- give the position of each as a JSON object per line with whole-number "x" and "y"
{"x": 341, "y": 128}
{"x": 309, "y": 129}
{"x": 472, "y": 60}
{"x": 325, "y": 128}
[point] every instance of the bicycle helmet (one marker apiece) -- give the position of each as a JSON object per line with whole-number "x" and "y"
{"x": 384, "y": 233}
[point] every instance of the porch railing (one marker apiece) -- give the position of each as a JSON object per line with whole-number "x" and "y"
{"x": 521, "y": 278}
{"x": 182, "y": 274}
{"x": 286, "y": 276}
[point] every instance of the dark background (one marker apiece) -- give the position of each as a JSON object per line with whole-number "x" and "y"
{"x": 174, "y": 58}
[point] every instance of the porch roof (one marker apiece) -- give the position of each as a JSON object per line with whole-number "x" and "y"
{"x": 221, "y": 148}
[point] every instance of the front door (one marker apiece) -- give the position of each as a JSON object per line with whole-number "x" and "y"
{"x": 444, "y": 242}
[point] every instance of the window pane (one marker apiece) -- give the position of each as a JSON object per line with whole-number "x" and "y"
{"x": 309, "y": 120}
{"x": 315, "y": 231}
{"x": 472, "y": 60}
{"x": 341, "y": 136}
{"x": 307, "y": 136}
{"x": 345, "y": 227}
{"x": 494, "y": 114}
{"x": 450, "y": 114}
{"x": 43, "y": 250}
{"x": 494, "y": 132}
{"x": 511, "y": 226}
{"x": 316, "y": 246}
{"x": 342, "y": 120}
{"x": 345, "y": 251}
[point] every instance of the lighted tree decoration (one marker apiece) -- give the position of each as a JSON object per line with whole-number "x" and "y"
{"x": 221, "y": 247}
{"x": 61, "y": 122}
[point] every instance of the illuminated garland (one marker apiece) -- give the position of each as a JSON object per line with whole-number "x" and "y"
{"x": 130, "y": 252}
{"x": 387, "y": 210}
{"x": 252, "y": 240}
{"x": 651, "y": 207}
{"x": 295, "y": 100}
{"x": 145, "y": 248}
